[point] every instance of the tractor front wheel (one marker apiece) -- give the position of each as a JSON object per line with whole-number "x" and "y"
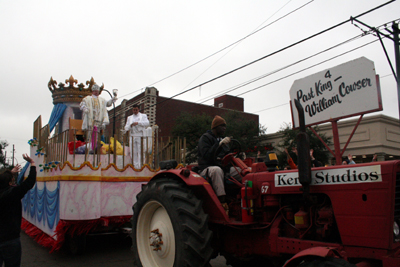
{"x": 169, "y": 226}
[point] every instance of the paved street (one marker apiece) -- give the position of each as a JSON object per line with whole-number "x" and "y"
{"x": 102, "y": 251}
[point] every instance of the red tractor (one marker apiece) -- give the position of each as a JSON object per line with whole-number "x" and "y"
{"x": 327, "y": 216}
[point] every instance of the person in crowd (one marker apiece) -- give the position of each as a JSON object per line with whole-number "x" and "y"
{"x": 289, "y": 159}
{"x": 374, "y": 158}
{"x": 259, "y": 158}
{"x": 11, "y": 213}
{"x": 95, "y": 115}
{"x": 350, "y": 160}
{"x": 293, "y": 166}
{"x": 314, "y": 162}
{"x": 136, "y": 124}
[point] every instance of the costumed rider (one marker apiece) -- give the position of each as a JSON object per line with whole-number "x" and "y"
{"x": 136, "y": 124}
{"x": 95, "y": 115}
{"x": 208, "y": 145}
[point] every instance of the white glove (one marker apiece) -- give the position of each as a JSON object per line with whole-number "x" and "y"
{"x": 86, "y": 110}
{"x": 225, "y": 141}
{"x": 114, "y": 99}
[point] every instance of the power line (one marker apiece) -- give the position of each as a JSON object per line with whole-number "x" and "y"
{"x": 351, "y": 50}
{"x": 301, "y": 71}
{"x": 365, "y": 33}
{"x": 253, "y": 32}
{"x": 272, "y": 107}
{"x": 312, "y": 66}
{"x": 238, "y": 41}
{"x": 219, "y": 51}
{"x": 273, "y": 53}
{"x": 276, "y": 52}
{"x": 279, "y": 69}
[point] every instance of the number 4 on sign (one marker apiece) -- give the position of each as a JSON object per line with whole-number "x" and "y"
{"x": 328, "y": 74}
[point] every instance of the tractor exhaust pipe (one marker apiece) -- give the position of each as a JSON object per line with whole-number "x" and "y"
{"x": 303, "y": 152}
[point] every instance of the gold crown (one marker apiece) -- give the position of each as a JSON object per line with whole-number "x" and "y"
{"x": 70, "y": 93}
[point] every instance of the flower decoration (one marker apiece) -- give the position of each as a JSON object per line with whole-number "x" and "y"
{"x": 33, "y": 142}
{"x": 39, "y": 152}
{"x": 49, "y": 165}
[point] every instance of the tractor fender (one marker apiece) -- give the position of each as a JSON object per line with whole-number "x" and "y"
{"x": 202, "y": 189}
{"x": 319, "y": 252}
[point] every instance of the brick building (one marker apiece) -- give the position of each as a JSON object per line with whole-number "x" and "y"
{"x": 163, "y": 111}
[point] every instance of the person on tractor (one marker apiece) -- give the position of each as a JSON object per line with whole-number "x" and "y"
{"x": 212, "y": 146}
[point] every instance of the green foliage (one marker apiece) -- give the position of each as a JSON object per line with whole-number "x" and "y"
{"x": 246, "y": 131}
{"x": 3, "y": 145}
{"x": 193, "y": 126}
{"x": 289, "y": 141}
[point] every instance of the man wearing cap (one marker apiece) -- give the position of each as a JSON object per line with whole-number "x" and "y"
{"x": 208, "y": 144}
{"x": 95, "y": 115}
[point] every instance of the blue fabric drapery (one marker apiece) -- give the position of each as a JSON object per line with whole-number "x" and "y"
{"x": 56, "y": 114}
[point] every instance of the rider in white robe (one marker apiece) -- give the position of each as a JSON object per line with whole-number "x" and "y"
{"x": 136, "y": 125}
{"x": 95, "y": 112}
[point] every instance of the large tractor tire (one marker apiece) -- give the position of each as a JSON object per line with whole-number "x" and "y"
{"x": 169, "y": 227}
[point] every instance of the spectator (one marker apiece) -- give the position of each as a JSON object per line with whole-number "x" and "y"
{"x": 314, "y": 162}
{"x": 350, "y": 158}
{"x": 289, "y": 159}
{"x": 11, "y": 213}
{"x": 259, "y": 158}
{"x": 375, "y": 158}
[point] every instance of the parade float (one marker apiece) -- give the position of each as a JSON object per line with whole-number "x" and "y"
{"x": 81, "y": 192}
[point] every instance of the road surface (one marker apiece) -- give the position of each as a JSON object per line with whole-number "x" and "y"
{"x": 101, "y": 251}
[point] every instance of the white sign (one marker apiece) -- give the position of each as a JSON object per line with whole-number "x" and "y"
{"x": 350, "y": 175}
{"x": 346, "y": 90}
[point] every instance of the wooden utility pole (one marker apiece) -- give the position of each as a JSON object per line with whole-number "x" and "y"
{"x": 395, "y": 28}
{"x": 13, "y": 156}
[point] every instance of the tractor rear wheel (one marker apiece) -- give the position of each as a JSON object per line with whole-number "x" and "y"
{"x": 169, "y": 226}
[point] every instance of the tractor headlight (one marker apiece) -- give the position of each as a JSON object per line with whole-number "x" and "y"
{"x": 396, "y": 231}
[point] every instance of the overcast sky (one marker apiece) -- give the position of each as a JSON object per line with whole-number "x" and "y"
{"x": 132, "y": 44}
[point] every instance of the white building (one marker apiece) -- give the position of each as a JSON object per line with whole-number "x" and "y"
{"x": 376, "y": 134}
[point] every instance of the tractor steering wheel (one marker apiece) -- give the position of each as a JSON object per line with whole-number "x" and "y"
{"x": 234, "y": 149}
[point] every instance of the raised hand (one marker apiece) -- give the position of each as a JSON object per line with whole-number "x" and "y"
{"x": 16, "y": 169}
{"x": 28, "y": 159}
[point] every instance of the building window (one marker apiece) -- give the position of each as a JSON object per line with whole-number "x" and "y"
{"x": 220, "y": 105}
